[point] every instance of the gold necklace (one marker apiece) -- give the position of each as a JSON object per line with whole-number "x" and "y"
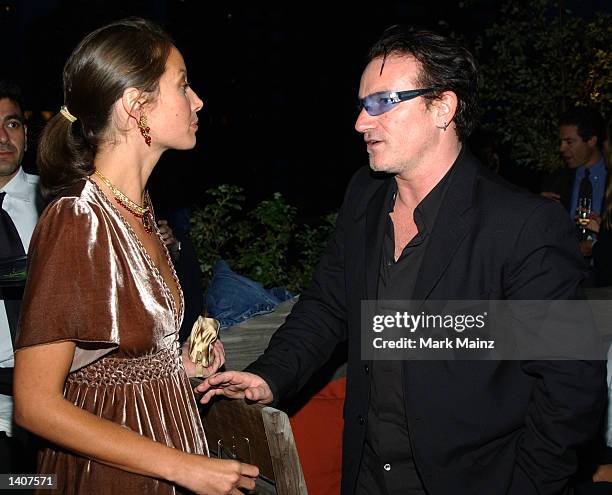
{"x": 142, "y": 212}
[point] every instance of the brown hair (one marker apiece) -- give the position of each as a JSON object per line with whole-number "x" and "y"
{"x": 445, "y": 66}
{"x": 126, "y": 53}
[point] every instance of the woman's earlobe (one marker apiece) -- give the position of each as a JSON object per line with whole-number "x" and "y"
{"x": 132, "y": 102}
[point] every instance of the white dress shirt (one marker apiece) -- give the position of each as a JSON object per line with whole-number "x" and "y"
{"x": 20, "y": 203}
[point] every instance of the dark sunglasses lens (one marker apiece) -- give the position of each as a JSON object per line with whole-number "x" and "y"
{"x": 377, "y": 103}
{"x": 373, "y": 105}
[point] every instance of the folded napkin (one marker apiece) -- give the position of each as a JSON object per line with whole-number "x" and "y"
{"x": 204, "y": 333}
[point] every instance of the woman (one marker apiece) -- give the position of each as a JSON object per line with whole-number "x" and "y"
{"x": 98, "y": 370}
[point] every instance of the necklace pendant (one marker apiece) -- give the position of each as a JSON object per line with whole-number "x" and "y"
{"x": 147, "y": 222}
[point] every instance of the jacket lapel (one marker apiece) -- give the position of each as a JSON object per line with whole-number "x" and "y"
{"x": 453, "y": 222}
{"x": 376, "y": 219}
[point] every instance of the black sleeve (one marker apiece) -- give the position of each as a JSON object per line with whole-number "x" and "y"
{"x": 316, "y": 324}
{"x": 569, "y": 397}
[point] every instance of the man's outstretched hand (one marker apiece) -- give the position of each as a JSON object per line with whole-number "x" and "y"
{"x": 235, "y": 385}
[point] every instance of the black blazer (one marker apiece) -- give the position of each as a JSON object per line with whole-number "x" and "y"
{"x": 561, "y": 182}
{"x": 602, "y": 258}
{"x": 477, "y": 427}
{"x": 6, "y": 374}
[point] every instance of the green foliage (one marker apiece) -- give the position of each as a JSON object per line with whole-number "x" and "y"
{"x": 213, "y": 226}
{"x": 265, "y": 244}
{"x": 264, "y": 240}
{"x": 536, "y": 63}
{"x": 312, "y": 242}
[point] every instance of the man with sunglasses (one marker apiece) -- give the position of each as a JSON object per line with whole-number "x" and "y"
{"x": 432, "y": 224}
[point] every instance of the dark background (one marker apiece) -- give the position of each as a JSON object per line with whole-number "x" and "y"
{"x": 278, "y": 79}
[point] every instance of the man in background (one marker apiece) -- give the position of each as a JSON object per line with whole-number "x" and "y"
{"x": 19, "y": 208}
{"x": 581, "y": 135}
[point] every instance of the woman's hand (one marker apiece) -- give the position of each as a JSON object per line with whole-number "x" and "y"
{"x": 207, "y": 476}
{"x": 594, "y": 222}
{"x": 218, "y": 360}
{"x": 603, "y": 473}
{"x": 40, "y": 406}
{"x": 586, "y": 247}
{"x": 551, "y": 195}
{"x": 171, "y": 242}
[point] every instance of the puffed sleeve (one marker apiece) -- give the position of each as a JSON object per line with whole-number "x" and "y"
{"x": 70, "y": 293}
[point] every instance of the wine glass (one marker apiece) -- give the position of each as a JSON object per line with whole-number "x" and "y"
{"x": 238, "y": 448}
{"x": 583, "y": 213}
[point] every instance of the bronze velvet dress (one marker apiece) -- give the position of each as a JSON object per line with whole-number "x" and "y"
{"x": 91, "y": 281}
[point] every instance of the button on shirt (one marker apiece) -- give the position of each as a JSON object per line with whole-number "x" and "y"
{"x": 20, "y": 204}
{"x": 388, "y": 443}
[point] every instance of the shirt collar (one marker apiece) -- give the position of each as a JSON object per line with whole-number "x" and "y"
{"x": 427, "y": 210}
{"x": 18, "y": 186}
{"x": 599, "y": 169}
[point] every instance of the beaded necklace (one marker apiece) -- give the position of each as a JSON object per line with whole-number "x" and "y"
{"x": 142, "y": 212}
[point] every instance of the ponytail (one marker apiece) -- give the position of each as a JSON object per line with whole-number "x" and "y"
{"x": 64, "y": 156}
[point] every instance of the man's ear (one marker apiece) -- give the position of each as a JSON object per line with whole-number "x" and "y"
{"x": 592, "y": 141}
{"x": 25, "y": 142}
{"x": 445, "y": 108}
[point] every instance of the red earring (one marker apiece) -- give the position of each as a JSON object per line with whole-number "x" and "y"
{"x": 144, "y": 129}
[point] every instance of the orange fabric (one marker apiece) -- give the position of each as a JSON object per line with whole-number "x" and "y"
{"x": 317, "y": 429}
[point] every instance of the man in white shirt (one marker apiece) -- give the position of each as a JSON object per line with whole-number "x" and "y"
{"x": 18, "y": 198}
